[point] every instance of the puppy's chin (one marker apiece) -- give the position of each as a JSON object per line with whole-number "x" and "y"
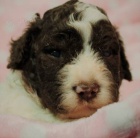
{"x": 76, "y": 108}
{"x": 79, "y": 112}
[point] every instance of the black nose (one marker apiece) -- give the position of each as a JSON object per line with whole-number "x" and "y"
{"x": 87, "y": 92}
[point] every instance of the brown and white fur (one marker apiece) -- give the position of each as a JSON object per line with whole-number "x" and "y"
{"x": 65, "y": 66}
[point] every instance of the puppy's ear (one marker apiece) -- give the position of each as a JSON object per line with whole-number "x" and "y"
{"x": 126, "y": 74}
{"x": 20, "y": 48}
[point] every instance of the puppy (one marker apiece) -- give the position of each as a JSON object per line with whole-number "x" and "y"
{"x": 65, "y": 66}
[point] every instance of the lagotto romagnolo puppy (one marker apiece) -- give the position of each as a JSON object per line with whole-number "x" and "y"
{"x": 65, "y": 66}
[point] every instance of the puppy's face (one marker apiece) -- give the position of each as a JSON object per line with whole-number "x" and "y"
{"x": 73, "y": 58}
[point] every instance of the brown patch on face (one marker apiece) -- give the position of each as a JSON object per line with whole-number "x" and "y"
{"x": 107, "y": 42}
{"x": 43, "y": 50}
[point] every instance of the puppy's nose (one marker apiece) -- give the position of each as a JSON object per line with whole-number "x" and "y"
{"x": 87, "y": 92}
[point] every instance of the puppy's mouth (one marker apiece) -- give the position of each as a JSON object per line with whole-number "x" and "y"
{"x": 83, "y": 109}
{"x": 79, "y": 106}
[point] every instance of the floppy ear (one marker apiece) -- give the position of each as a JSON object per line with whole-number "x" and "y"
{"x": 126, "y": 74}
{"x": 20, "y": 48}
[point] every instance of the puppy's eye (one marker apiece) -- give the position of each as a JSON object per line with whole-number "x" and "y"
{"x": 53, "y": 52}
{"x": 107, "y": 53}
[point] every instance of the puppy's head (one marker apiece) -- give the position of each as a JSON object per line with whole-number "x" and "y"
{"x": 73, "y": 58}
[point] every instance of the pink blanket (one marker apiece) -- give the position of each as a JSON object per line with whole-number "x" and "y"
{"x": 119, "y": 120}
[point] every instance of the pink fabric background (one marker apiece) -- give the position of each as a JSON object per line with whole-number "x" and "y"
{"x": 125, "y": 14}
